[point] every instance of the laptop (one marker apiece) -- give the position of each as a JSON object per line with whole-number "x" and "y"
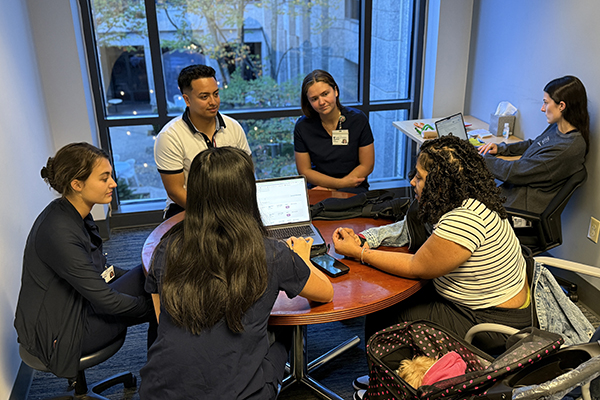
{"x": 452, "y": 125}
{"x": 284, "y": 208}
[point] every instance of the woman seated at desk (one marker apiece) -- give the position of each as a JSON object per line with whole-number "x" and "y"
{"x": 333, "y": 144}
{"x": 546, "y": 162}
{"x": 214, "y": 278}
{"x": 473, "y": 257}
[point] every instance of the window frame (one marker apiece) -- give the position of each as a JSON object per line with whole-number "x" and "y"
{"x": 364, "y": 103}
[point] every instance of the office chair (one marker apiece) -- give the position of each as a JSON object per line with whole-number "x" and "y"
{"x": 89, "y": 360}
{"x": 545, "y": 230}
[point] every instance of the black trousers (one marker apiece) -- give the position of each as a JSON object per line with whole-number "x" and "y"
{"x": 428, "y": 305}
{"x": 100, "y": 329}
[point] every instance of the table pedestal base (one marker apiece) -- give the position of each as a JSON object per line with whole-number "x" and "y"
{"x": 300, "y": 367}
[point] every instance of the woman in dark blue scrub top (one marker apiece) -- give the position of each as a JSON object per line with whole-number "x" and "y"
{"x": 214, "y": 279}
{"x": 333, "y": 144}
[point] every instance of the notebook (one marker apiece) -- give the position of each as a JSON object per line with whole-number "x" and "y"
{"x": 284, "y": 208}
{"x": 452, "y": 125}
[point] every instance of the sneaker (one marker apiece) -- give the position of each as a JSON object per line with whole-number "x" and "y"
{"x": 359, "y": 394}
{"x": 361, "y": 383}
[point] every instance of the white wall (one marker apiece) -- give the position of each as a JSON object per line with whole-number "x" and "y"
{"x": 26, "y": 144}
{"x": 516, "y": 48}
{"x": 445, "y": 68}
{"x": 43, "y": 105}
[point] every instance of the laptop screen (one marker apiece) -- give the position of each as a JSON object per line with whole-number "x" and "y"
{"x": 453, "y": 124}
{"x": 283, "y": 200}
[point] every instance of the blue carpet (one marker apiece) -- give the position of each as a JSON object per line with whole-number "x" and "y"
{"x": 124, "y": 250}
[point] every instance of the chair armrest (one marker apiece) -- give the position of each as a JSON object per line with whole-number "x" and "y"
{"x": 569, "y": 266}
{"x": 530, "y": 216}
{"x": 537, "y": 223}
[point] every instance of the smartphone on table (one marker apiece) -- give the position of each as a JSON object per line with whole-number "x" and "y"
{"x": 330, "y": 265}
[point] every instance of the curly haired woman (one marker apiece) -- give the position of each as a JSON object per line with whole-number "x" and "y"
{"x": 473, "y": 258}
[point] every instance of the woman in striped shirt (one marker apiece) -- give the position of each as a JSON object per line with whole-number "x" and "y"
{"x": 473, "y": 258}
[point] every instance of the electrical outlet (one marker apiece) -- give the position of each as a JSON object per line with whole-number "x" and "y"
{"x": 594, "y": 230}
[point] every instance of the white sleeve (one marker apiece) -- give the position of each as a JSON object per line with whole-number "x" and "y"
{"x": 168, "y": 153}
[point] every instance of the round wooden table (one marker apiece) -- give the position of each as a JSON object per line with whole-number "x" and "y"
{"x": 361, "y": 291}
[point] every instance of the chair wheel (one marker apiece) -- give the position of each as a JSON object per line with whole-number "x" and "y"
{"x": 131, "y": 383}
{"x": 574, "y": 297}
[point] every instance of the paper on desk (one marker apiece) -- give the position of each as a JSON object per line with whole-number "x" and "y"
{"x": 482, "y": 133}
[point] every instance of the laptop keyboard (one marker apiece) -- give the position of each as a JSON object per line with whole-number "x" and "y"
{"x": 285, "y": 233}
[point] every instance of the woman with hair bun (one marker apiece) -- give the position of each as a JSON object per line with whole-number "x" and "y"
{"x": 71, "y": 303}
{"x": 333, "y": 144}
{"x": 546, "y": 162}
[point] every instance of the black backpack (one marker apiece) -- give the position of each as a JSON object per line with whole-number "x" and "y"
{"x": 372, "y": 204}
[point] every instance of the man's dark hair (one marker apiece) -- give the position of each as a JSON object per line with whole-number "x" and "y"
{"x": 191, "y": 73}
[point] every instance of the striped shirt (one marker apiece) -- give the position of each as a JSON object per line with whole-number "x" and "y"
{"x": 495, "y": 272}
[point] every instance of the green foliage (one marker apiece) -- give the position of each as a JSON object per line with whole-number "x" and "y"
{"x": 213, "y": 28}
{"x": 123, "y": 190}
{"x": 271, "y": 141}
{"x": 114, "y": 20}
{"x": 263, "y": 91}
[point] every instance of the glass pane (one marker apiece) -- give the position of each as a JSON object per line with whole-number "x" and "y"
{"x": 134, "y": 167}
{"x": 124, "y": 57}
{"x": 272, "y": 144}
{"x": 391, "y": 49}
{"x": 260, "y": 50}
{"x": 391, "y": 146}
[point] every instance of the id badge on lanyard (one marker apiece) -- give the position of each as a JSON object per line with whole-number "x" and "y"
{"x": 340, "y": 137}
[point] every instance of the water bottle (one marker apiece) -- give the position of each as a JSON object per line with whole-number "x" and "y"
{"x": 506, "y": 130}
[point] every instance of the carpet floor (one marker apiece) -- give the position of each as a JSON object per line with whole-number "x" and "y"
{"x": 124, "y": 249}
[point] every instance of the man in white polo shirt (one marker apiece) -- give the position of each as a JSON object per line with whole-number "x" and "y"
{"x": 199, "y": 127}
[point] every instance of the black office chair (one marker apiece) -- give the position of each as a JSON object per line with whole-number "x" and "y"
{"x": 545, "y": 230}
{"x": 81, "y": 387}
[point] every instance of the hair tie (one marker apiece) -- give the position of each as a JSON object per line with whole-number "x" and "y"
{"x": 44, "y": 173}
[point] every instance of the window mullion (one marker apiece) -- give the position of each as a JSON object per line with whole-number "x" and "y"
{"x": 157, "y": 67}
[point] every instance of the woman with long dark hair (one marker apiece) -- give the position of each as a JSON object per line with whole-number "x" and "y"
{"x": 215, "y": 278}
{"x": 333, "y": 144}
{"x": 546, "y": 162}
{"x": 71, "y": 302}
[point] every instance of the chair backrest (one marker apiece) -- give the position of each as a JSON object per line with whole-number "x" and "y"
{"x": 550, "y": 218}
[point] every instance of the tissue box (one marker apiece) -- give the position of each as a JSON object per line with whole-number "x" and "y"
{"x": 497, "y": 123}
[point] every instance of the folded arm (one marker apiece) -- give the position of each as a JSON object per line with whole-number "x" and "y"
{"x": 366, "y": 157}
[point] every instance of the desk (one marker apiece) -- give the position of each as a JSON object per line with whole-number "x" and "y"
{"x": 408, "y": 128}
{"x": 362, "y": 291}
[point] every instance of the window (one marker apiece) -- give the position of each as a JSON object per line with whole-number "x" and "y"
{"x": 261, "y": 51}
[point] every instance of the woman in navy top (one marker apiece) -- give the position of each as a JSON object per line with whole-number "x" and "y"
{"x": 66, "y": 308}
{"x": 333, "y": 144}
{"x": 215, "y": 278}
